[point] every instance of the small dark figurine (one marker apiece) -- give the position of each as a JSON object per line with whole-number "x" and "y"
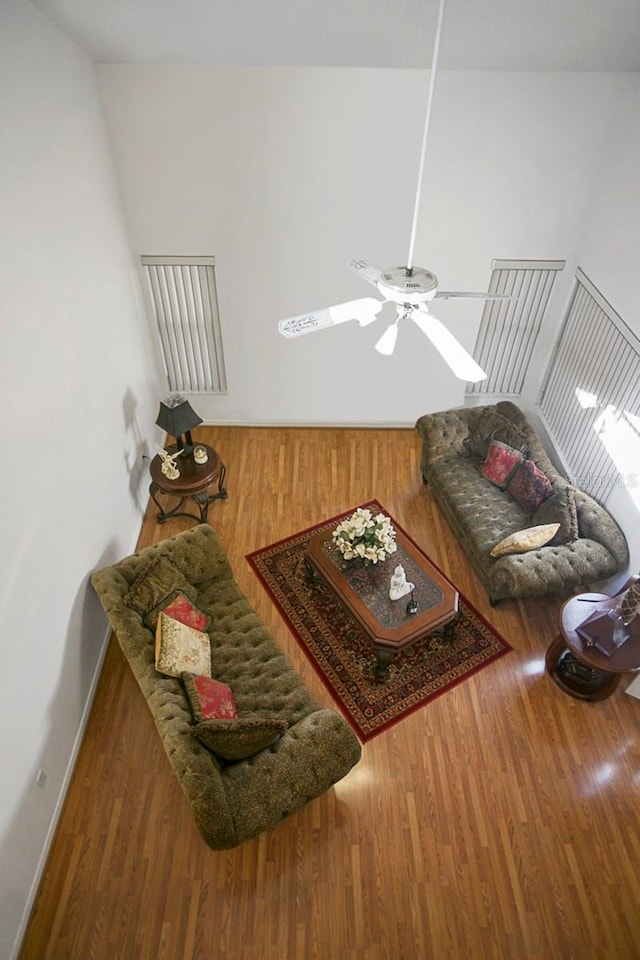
{"x": 412, "y": 606}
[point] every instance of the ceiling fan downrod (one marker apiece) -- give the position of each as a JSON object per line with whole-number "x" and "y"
{"x": 425, "y": 136}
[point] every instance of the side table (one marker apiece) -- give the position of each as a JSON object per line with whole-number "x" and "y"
{"x": 194, "y": 483}
{"x": 582, "y": 671}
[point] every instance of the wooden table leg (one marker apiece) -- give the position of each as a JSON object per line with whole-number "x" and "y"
{"x": 383, "y": 659}
{"x": 575, "y": 677}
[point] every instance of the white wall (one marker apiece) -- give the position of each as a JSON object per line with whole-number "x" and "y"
{"x": 284, "y": 174}
{"x": 608, "y": 255}
{"x": 79, "y": 395}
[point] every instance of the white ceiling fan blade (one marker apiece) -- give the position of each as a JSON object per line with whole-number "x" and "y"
{"x": 387, "y": 342}
{"x": 460, "y": 295}
{"x": 368, "y": 271}
{"x": 365, "y": 310}
{"x": 451, "y": 350}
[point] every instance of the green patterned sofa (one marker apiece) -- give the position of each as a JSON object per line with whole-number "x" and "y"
{"x": 231, "y": 801}
{"x": 453, "y": 446}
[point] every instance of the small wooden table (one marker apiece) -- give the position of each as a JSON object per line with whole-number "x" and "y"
{"x": 583, "y": 671}
{"x": 387, "y": 623}
{"x": 194, "y": 483}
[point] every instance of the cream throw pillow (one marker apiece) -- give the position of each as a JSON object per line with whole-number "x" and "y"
{"x": 180, "y": 648}
{"x": 523, "y": 540}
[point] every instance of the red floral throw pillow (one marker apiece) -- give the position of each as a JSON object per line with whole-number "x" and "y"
{"x": 183, "y": 610}
{"x": 530, "y": 487}
{"x": 500, "y": 463}
{"x": 209, "y": 699}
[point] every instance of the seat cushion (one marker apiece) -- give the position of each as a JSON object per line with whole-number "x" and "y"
{"x": 480, "y": 513}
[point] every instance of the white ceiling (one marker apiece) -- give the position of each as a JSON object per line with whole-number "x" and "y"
{"x": 478, "y": 34}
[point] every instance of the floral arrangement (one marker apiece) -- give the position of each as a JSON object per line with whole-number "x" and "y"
{"x": 365, "y": 537}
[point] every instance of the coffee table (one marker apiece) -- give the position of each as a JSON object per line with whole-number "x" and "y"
{"x": 388, "y": 624}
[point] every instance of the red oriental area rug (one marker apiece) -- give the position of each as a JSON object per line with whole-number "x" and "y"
{"x": 341, "y": 654}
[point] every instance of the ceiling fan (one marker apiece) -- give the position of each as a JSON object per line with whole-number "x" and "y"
{"x": 411, "y": 288}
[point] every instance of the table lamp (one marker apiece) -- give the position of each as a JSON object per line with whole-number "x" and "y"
{"x": 176, "y": 417}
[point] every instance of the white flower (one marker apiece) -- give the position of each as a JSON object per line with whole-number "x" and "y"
{"x": 366, "y": 537}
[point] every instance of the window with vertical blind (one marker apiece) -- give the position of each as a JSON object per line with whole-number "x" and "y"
{"x": 509, "y": 329}
{"x": 184, "y": 301}
{"x": 590, "y": 399}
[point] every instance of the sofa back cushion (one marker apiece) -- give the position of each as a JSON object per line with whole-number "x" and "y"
{"x": 560, "y": 508}
{"x": 490, "y": 424}
{"x": 240, "y": 738}
{"x": 158, "y": 584}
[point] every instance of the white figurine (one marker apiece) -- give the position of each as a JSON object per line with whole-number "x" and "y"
{"x": 168, "y": 466}
{"x": 400, "y": 586}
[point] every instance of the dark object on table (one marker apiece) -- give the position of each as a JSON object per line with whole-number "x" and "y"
{"x": 604, "y": 628}
{"x": 412, "y": 606}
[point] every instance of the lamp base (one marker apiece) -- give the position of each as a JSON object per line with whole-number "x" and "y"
{"x": 185, "y": 446}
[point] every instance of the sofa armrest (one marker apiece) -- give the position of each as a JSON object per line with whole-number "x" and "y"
{"x": 443, "y": 435}
{"x": 550, "y": 570}
{"x": 197, "y": 553}
{"x": 312, "y": 755}
{"x": 596, "y": 523}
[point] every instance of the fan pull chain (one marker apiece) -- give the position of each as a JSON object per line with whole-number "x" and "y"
{"x": 427, "y": 121}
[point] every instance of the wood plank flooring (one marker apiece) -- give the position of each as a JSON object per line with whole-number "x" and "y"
{"x": 500, "y": 822}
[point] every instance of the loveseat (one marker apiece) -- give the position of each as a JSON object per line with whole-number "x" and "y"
{"x": 231, "y": 801}
{"x": 589, "y": 546}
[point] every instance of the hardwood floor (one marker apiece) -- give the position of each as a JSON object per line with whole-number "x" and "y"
{"x": 499, "y": 822}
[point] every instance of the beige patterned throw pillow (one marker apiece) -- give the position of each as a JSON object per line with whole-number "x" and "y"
{"x": 180, "y": 648}
{"x": 524, "y": 540}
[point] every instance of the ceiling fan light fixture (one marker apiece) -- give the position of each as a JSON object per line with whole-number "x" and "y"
{"x": 387, "y": 342}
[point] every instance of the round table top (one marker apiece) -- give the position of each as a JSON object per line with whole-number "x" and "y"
{"x": 625, "y": 659}
{"x": 194, "y": 477}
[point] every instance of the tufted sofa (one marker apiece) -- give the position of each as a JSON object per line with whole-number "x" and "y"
{"x": 231, "y": 801}
{"x": 480, "y": 514}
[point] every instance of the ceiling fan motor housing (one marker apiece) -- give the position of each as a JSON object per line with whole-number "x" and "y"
{"x": 408, "y": 286}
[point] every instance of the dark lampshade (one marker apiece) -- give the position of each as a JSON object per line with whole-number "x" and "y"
{"x": 176, "y": 417}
